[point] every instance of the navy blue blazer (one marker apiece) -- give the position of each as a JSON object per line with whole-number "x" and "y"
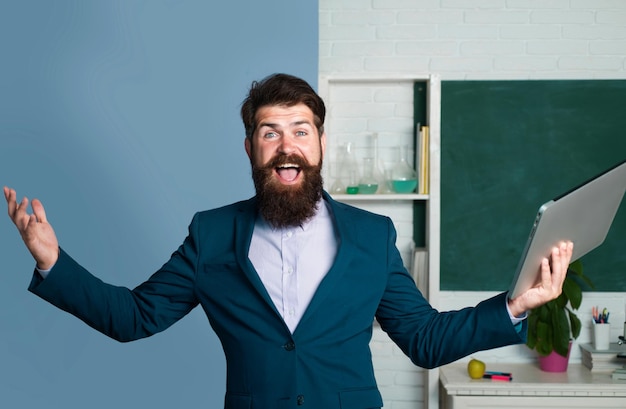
{"x": 326, "y": 363}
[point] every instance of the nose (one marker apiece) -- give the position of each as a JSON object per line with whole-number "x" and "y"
{"x": 287, "y": 145}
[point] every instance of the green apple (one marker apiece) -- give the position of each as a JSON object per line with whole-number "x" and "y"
{"x": 476, "y": 368}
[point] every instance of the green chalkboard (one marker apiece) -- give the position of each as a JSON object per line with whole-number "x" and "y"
{"x": 506, "y": 148}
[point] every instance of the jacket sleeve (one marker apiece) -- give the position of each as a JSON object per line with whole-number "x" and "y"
{"x": 118, "y": 312}
{"x": 431, "y": 338}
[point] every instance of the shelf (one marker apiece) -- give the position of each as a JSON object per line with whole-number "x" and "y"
{"x": 379, "y": 197}
{"x": 363, "y": 104}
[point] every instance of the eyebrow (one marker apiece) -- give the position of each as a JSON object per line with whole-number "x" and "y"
{"x": 296, "y": 123}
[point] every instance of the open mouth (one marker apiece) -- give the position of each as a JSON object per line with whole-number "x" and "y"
{"x": 288, "y": 172}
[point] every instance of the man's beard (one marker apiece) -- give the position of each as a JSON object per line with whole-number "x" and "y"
{"x": 287, "y": 205}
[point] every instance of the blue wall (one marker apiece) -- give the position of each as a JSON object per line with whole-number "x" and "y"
{"x": 122, "y": 117}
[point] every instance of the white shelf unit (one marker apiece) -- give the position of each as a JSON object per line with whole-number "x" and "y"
{"x": 361, "y": 105}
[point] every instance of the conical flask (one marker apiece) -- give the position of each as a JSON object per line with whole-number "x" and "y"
{"x": 403, "y": 176}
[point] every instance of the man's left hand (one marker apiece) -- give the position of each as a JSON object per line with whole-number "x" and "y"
{"x": 553, "y": 274}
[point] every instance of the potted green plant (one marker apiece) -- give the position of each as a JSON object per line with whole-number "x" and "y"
{"x": 552, "y": 326}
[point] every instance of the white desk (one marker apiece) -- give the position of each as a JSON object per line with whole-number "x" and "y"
{"x": 530, "y": 388}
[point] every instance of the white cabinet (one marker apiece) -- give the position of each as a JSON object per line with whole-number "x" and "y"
{"x": 359, "y": 107}
{"x": 531, "y": 388}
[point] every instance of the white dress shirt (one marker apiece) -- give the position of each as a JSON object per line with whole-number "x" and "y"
{"x": 292, "y": 262}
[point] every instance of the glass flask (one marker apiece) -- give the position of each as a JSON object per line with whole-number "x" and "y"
{"x": 379, "y": 166}
{"x": 338, "y": 185}
{"x": 386, "y": 187}
{"x": 368, "y": 184}
{"x": 347, "y": 180}
{"x": 403, "y": 176}
{"x": 353, "y": 181}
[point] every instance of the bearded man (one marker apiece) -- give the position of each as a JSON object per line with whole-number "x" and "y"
{"x": 290, "y": 279}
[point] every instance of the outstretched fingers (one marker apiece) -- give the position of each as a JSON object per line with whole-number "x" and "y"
{"x": 39, "y": 211}
{"x": 9, "y": 195}
{"x": 17, "y": 211}
{"x": 553, "y": 272}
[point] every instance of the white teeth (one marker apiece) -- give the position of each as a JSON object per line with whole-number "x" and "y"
{"x": 289, "y": 165}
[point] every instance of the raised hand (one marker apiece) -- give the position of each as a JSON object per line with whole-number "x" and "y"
{"x": 34, "y": 228}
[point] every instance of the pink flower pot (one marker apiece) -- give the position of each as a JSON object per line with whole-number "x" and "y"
{"x": 554, "y": 362}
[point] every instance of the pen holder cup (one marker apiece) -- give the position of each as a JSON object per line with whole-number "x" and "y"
{"x": 601, "y": 336}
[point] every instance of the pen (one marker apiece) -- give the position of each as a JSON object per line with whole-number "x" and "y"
{"x": 600, "y": 317}
{"x": 498, "y": 373}
{"x": 498, "y": 377}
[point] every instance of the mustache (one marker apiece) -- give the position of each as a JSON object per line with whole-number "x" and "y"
{"x": 282, "y": 159}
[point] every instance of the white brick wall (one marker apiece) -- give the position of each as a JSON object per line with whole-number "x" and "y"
{"x": 468, "y": 39}
{"x": 482, "y": 39}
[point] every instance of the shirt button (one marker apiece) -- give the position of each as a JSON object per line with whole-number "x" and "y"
{"x": 300, "y": 400}
{"x": 289, "y": 346}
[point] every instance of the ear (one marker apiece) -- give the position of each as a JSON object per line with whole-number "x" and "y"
{"x": 323, "y": 143}
{"x": 248, "y": 147}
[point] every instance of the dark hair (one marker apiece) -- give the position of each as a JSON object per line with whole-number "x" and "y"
{"x": 281, "y": 89}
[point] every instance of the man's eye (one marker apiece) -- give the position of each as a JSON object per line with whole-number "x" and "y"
{"x": 270, "y": 135}
{"x": 301, "y": 133}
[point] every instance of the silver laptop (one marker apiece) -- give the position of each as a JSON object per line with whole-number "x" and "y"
{"x": 582, "y": 215}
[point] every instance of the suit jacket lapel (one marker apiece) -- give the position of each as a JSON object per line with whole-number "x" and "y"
{"x": 329, "y": 284}
{"x": 244, "y": 225}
